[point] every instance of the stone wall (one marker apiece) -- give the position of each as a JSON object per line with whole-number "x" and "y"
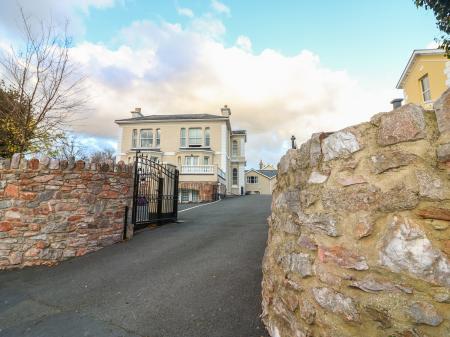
{"x": 51, "y": 210}
{"x": 359, "y": 232}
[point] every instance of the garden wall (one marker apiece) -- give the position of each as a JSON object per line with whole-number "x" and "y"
{"x": 359, "y": 232}
{"x": 51, "y": 209}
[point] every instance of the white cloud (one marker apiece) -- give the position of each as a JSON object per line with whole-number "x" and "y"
{"x": 165, "y": 69}
{"x": 56, "y": 10}
{"x": 244, "y": 43}
{"x": 185, "y": 12}
{"x": 220, "y": 7}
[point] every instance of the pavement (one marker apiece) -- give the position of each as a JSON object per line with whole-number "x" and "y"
{"x": 197, "y": 278}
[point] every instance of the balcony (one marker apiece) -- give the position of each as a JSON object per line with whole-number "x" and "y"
{"x": 204, "y": 172}
{"x": 198, "y": 169}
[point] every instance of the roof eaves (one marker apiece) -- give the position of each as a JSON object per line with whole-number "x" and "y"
{"x": 414, "y": 54}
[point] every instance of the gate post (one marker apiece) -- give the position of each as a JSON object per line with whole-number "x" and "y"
{"x": 135, "y": 190}
{"x": 160, "y": 197}
{"x": 175, "y": 195}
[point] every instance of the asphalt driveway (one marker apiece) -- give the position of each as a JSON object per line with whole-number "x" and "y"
{"x": 199, "y": 278}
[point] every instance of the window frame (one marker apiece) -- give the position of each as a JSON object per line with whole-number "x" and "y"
{"x": 191, "y": 160}
{"x": 426, "y": 92}
{"x": 235, "y": 177}
{"x": 183, "y": 139}
{"x": 134, "y": 138}
{"x": 150, "y": 138}
{"x": 158, "y": 137}
{"x": 198, "y": 139}
{"x": 207, "y": 135}
{"x": 255, "y": 180}
{"x": 235, "y": 151}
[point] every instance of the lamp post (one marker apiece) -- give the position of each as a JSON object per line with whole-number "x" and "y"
{"x": 293, "y": 142}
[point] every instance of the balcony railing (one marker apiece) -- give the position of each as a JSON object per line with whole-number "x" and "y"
{"x": 197, "y": 169}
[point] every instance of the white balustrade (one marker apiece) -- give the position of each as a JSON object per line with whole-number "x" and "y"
{"x": 197, "y": 169}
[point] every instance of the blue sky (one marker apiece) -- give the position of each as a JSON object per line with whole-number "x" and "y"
{"x": 361, "y": 37}
{"x": 284, "y": 67}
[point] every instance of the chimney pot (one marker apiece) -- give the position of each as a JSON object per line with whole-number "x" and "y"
{"x": 136, "y": 113}
{"x": 226, "y": 111}
{"x": 396, "y": 103}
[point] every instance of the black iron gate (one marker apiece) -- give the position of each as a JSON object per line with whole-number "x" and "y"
{"x": 155, "y": 194}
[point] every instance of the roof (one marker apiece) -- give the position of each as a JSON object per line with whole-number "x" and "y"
{"x": 412, "y": 58}
{"x": 172, "y": 117}
{"x": 267, "y": 173}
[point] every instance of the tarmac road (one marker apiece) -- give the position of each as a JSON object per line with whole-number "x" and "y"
{"x": 198, "y": 278}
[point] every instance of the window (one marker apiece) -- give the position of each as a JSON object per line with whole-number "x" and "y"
{"x": 184, "y": 195}
{"x": 195, "y": 137}
{"x": 158, "y": 137}
{"x": 425, "y": 84}
{"x": 205, "y": 160}
{"x": 235, "y": 176}
{"x": 155, "y": 159}
{"x": 207, "y": 137}
{"x": 179, "y": 161}
{"x": 235, "y": 148}
{"x": 147, "y": 138}
{"x": 183, "y": 137}
{"x": 191, "y": 160}
{"x": 252, "y": 179}
{"x": 134, "y": 139}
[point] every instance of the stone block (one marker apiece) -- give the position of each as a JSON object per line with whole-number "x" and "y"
{"x": 339, "y": 144}
{"x": 430, "y": 185}
{"x": 54, "y": 164}
{"x": 317, "y": 178}
{"x": 11, "y": 191}
{"x": 425, "y": 313}
{"x": 342, "y": 257}
{"x": 442, "y": 110}
{"x": 406, "y": 123}
{"x": 297, "y": 263}
{"x": 443, "y": 152}
{"x": 319, "y": 223}
{"x": 15, "y": 161}
{"x": 337, "y": 303}
{"x": 384, "y": 161}
{"x": 406, "y": 248}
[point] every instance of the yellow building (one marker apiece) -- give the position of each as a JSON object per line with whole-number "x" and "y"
{"x": 261, "y": 181}
{"x": 425, "y": 77}
{"x": 208, "y": 153}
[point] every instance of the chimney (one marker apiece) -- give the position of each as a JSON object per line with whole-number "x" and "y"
{"x": 396, "y": 103}
{"x": 261, "y": 164}
{"x": 226, "y": 112}
{"x": 136, "y": 113}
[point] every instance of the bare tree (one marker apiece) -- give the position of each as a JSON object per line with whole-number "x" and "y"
{"x": 47, "y": 87}
{"x": 69, "y": 148}
{"x": 103, "y": 155}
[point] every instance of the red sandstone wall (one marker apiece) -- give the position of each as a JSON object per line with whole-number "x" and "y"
{"x": 51, "y": 210}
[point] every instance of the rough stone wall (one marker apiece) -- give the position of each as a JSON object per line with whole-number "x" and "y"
{"x": 359, "y": 232}
{"x": 51, "y": 210}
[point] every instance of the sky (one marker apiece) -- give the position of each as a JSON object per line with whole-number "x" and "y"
{"x": 284, "y": 67}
